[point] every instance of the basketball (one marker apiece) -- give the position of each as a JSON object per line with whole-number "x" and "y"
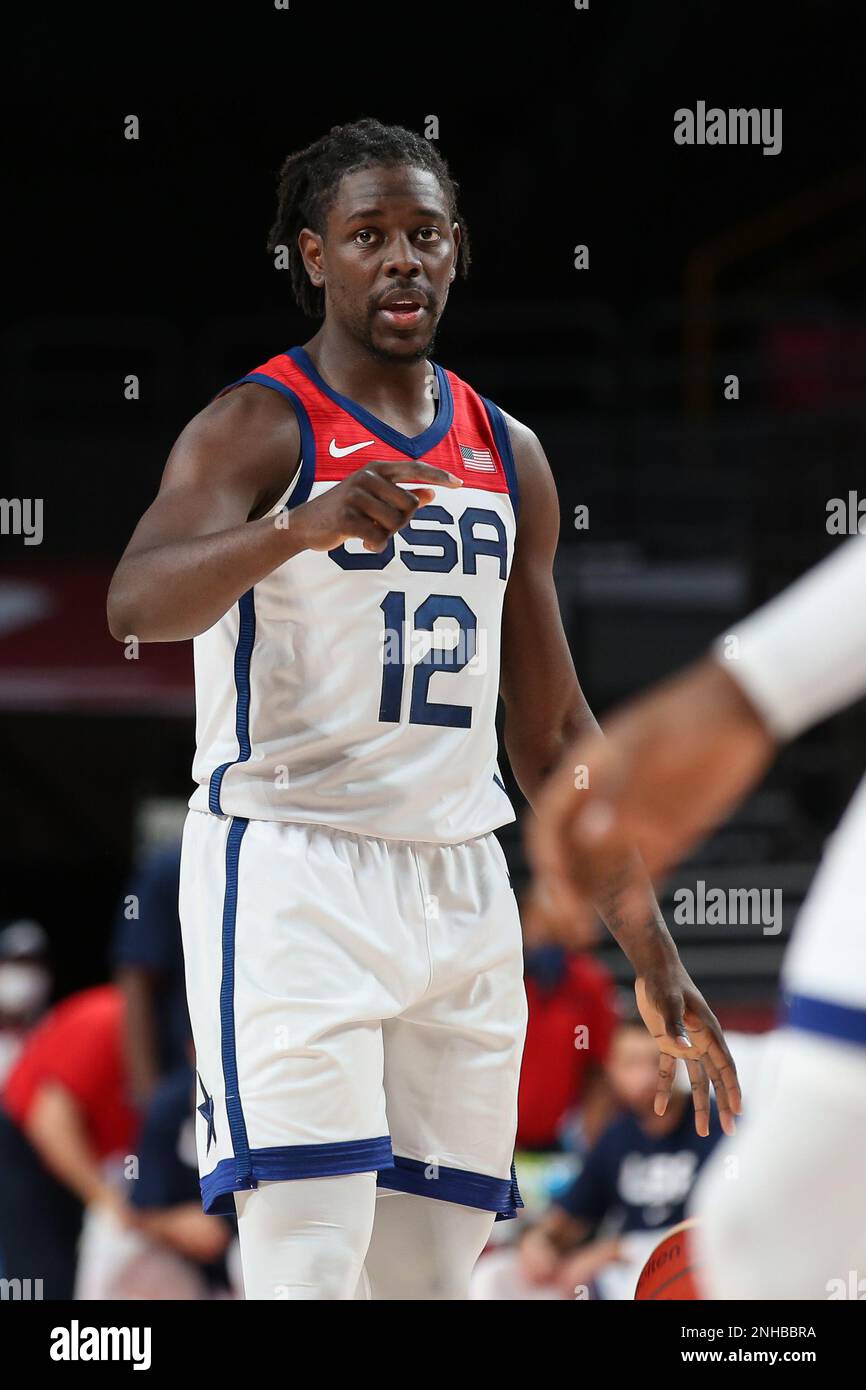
{"x": 668, "y": 1273}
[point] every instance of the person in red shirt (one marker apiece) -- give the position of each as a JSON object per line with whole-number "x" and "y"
{"x": 572, "y": 1015}
{"x": 65, "y": 1110}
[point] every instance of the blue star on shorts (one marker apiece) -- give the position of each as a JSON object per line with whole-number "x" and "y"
{"x": 206, "y": 1112}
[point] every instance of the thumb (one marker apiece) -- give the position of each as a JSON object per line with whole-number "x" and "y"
{"x": 660, "y": 1011}
{"x": 671, "y": 1008}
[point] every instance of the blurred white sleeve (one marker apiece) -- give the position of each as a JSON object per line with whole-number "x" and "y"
{"x": 802, "y": 656}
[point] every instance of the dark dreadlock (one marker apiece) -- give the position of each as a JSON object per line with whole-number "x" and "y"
{"x": 309, "y": 180}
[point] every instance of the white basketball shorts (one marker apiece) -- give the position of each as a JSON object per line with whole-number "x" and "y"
{"x": 357, "y": 1005}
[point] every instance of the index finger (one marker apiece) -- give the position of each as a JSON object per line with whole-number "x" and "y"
{"x": 665, "y": 1084}
{"x": 407, "y": 471}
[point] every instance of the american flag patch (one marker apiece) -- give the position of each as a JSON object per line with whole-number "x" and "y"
{"x": 479, "y": 459}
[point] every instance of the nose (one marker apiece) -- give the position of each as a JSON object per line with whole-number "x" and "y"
{"x": 402, "y": 259}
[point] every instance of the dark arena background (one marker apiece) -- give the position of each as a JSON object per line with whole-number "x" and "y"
{"x": 683, "y": 326}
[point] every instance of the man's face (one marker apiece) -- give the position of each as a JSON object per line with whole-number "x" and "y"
{"x": 386, "y": 259}
{"x": 632, "y": 1069}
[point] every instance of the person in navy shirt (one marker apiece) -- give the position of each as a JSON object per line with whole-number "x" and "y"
{"x": 641, "y": 1171}
{"x": 634, "y": 1185}
{"x": 148, "y": 965}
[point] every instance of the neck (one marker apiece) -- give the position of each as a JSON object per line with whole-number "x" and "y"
{"x": 354, "y": 371}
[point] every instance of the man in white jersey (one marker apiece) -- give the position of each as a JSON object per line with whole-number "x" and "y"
{"x": 788, "y": 1220}
{"x": 361, "y": 548}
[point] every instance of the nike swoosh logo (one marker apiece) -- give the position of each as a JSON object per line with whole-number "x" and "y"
{"x": 336, "y": 452}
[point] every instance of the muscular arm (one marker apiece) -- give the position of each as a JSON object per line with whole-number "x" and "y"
{"x": 679, "y": 758}
{"x": 206, "y": 539}
{"x": 545, "y": 708}
{"x": 196, "y": 551}
{"x": 544, "y": 704}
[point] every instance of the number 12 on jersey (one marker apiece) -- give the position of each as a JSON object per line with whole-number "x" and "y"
{"x": 447, "y": 660}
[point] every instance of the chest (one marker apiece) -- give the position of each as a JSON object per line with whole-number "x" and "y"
{"x": 471, "y": 538}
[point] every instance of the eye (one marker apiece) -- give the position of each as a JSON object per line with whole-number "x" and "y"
{"x": 365, "y": 232}
{"x": 430, "y": 234}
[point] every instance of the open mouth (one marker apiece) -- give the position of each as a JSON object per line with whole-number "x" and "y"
{"x": 404, "y": 308}
{"x": 403, "y": 313}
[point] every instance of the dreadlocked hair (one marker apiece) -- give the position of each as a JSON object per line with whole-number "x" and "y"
{"x": 309, "y": 180}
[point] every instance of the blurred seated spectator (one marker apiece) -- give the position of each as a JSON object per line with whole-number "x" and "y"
{"x": 25, "y": 986}
{"x": 596, "y": 1237}
{"x": 64, "y": 1114}
{"x": 169, "y": 1248}
{"x": 147, "y": 955}
{"x": 565, "y": 1099}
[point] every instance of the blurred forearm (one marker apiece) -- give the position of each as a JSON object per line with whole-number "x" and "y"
{"x": 55, "y": 1127}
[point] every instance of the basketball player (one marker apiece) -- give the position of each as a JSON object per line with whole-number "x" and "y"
{"x": 338, "y": 531}
{"x": 788, "y": 1221}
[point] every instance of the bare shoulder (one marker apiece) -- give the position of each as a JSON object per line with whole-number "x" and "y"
{"x": 523, "y": 439}
{"x": 250, "y": 436}
{"x": 534, "y": 478}
{"x": 248, "y": 410}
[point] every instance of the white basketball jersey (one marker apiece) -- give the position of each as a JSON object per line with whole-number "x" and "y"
{"x": 358, "y": 690}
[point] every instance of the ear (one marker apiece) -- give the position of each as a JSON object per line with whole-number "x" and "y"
{"x": 312, "y": 251}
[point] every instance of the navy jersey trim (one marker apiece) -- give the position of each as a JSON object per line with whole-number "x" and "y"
{"x": 243, "y": 657}
{"x": 840, "y": 1021}
{"x": 502, "y": 439}
{"x": 414, "y": 446}
{"x": 308, "y": 440}
{"x": 228, "y": 1042}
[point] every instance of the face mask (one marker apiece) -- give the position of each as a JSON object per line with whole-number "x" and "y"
{"x": 24, "y": 988}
